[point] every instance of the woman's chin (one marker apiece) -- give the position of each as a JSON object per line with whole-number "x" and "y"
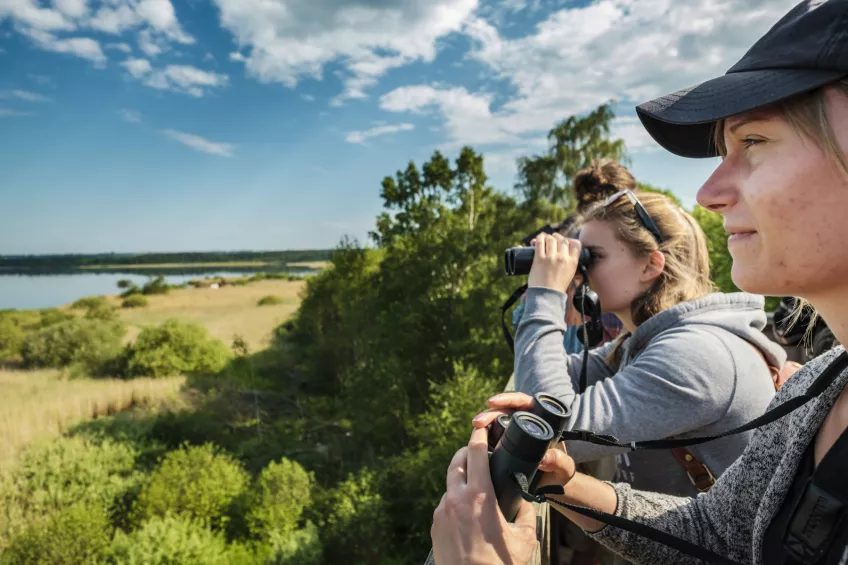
{"x": 754, "y": 280}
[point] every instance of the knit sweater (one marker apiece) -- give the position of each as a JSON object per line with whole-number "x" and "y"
{"x": 732, "y": 518}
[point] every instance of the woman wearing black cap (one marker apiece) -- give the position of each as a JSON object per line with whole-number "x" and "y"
{"x": 779, "y": 120}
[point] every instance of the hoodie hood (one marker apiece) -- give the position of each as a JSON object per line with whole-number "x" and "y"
{"x": 739, "y": 313}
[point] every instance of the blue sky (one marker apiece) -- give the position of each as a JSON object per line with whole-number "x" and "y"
{"x": 166, "y": 125}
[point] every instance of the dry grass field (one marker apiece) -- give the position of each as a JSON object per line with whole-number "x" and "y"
{"x": 42, "y": 404}
{"x": 225, "y": 312}
{"x": 214, "y": 265}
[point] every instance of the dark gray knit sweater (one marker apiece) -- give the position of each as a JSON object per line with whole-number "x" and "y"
{"x": 733, "y": 516}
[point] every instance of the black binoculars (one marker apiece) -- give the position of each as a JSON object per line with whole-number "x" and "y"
{"x": 517, "y": 444}
{"x": 518, "y": 260}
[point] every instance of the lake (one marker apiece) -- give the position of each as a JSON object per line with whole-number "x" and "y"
{"x": 25, "y": 292}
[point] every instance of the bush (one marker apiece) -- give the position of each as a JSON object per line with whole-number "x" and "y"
{"x": 78, "y": 535}
{"x": 12, "y": 338}
{"x": 89, "y": 343}
{"x": 125, "y": 283}
{"x": 104, "y": 312}
{"x": 278, "y": 498}
{"x": 55, "y": 475}
{"x": 131, "y": 291}
{"x": 52, "y": 316}
{"x": 134, "y": 301}
{"x": 270, "y": 300}
{"x": 175, "y": 348}
{"x": 88, "y": 303}
{"x": 169, "y": 540}
{"x": 300, "y": 547}
{"x": 156, "y": 286}
{"x": 196, "y": 483}
{"x": 354, "y": 521}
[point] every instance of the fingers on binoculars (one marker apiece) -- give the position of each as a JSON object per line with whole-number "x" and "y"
{"x": 511, "y": 400}
{"x": 486, "y": 417}
{"x": 457, "y": 473}
{"x": 478, "y": 460}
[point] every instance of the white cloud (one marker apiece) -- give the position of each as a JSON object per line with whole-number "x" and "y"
{"x": 29, "y": 13}
{"x": 291, "y": 40}
{"x": 123, "y": 47}
{"x": 131, "y": 116}
{"x": 178, "y": 78}
{"x": 8, "y": 113}
{"x": 25, "y": 96}
{"x": 137, "y": 68}
{"x": 361, "y": 136}
{"x": 200, "y": 144}
{"x": 84, "y": 47}
{"x": 156, "y": 21}
{"x": 580, "y": 57}
{"x": 308, "y": 97}
{"x": 209, "y": 57}
{"x": 71, "y": 8}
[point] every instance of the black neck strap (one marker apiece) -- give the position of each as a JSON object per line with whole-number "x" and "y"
{"x": 507, "y": 305}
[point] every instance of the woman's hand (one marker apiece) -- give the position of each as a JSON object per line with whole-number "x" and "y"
{"x": 555, "y": 262}
{"x": 468, "y": 527}
{"x": 558, "y": 466}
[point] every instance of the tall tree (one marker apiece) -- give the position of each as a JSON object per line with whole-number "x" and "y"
{"x": 572, "y": 145}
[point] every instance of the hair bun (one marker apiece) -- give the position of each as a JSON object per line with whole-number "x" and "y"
{"x": 602, "y": 178}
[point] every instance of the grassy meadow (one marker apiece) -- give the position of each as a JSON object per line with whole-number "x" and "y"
{"x": 226, "y": 312}
{"x": 42, "y": 404}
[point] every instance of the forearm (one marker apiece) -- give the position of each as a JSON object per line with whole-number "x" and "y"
{"x": 589, "y": 492}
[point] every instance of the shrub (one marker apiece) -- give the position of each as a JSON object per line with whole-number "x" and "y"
{"x": 175, "y": 348}
{"x": 104, "y": 312}
{"x": 169, "y": 540}
{"x": 89, "y": 343}
{"x": 131, "y": 291}
{"x": 88, "y": 303}
{"x": 77, "y": 535}
{"x": 299, "y": 547}
{"x": 52, "y": 316}
{"x": 12, "y": 338}
{"x": 134, "y": 301}
{"x": 270, "y": 300}
{"x": 194, "y": 482}
{"x": 125, "y": 283}
{"x": 156, "y": 286}
{"x": 278, "y": 498}
{"x": 54, "y": 475}
{"x": 354, "y": 521}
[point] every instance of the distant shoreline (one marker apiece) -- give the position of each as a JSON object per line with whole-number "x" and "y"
{"x": 213, "y": 264}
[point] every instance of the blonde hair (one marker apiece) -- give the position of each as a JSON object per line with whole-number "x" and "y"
{"x": 807, "y": 115}
{"x": 686, "y": 275}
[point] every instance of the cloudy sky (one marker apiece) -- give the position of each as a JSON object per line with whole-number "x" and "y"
{"x": 142, "y": 125}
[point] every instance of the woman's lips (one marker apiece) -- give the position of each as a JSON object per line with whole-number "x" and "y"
{"x": 739, "y": 237}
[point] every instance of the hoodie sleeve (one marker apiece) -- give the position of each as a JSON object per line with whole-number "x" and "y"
{"x": 683, "y": 380}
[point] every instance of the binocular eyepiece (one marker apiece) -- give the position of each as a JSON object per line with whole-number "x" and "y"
{"x": 522, "y": 440}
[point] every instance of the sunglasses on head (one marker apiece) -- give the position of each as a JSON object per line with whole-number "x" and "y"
{"x": 647, "y": 221}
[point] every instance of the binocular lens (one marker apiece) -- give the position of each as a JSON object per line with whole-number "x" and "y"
{"x": 533, "y": 428}
{"x": 553, "y": 406}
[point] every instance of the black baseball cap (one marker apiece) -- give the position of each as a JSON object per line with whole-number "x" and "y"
{"x": 806, "y": 49}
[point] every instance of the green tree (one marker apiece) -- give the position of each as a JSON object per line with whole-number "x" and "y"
{"x": 572, "y": 145}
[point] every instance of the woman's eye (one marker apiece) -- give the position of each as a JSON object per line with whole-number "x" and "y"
{"x": 750, "y": 141}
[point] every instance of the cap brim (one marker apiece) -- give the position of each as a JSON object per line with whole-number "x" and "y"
{"x": 682, "y": 122}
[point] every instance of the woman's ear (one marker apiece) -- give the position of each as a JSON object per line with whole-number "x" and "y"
{"x": 654, "y": 267}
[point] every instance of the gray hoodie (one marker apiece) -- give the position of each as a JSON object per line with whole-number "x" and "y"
{"x": 689, "y": 371}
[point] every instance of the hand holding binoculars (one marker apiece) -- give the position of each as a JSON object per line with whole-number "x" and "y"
{"x": 517, "y": 444}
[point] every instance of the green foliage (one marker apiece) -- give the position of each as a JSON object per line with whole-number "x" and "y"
{"x": 125, "y": 283}
{"x": 644, "y": 187}
{"x": 77, "y": 535}
{"x": 194, "y": 482}
{"x": 56, "y": 475}
{"x": 169, "y": 540}
{"x": 105, "y": 313}
{"x": 353, "y": 520}
{"x": 88, "y": 303}
{"x": 12, "y": 338}
{"x": 176, "y": 347}
{"x": 156, "y": 286}
{"x": 53, "y": 316}
{"x": 298, "y": 547}
{"x": 134, "y": 301}
{"x": 88, "y": 343}
{"x": 270, "y": 300}
{"x": 278, "y": 498}
{"x": 573, "y": 144}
